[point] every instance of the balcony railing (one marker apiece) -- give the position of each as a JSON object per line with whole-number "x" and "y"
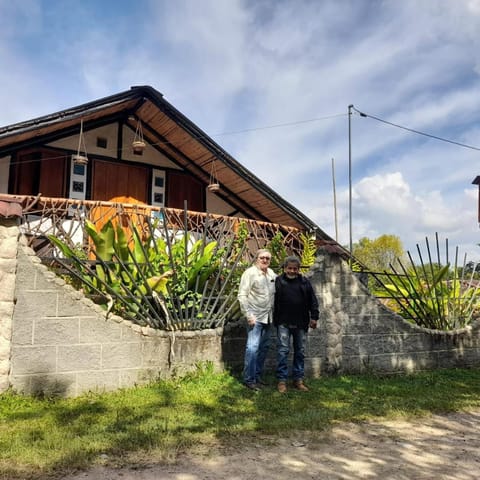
{"x": 65, "y": 219}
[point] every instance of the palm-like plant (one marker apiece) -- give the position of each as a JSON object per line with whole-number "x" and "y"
{"x": 433, "y": 295}
{"x": 164, "y": 282}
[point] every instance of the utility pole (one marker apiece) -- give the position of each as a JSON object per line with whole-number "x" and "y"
{"x": 350, "y": 176}
{"x": 334, "y": 200}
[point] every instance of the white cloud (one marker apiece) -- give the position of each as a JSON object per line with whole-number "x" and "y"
{"x": 387, "y": 204}
{"x": 241, "y": 64}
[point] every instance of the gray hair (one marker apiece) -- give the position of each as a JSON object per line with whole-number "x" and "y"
{"x": 261, "y": 252}
{"x": 291, "y": 259}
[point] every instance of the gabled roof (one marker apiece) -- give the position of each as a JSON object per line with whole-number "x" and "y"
{"x": 175, "y": 135}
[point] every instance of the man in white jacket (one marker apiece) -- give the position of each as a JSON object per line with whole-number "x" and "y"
{"x": 256, "y": 295}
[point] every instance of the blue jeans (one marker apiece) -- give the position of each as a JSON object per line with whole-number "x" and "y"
{"x": 299, "y": 336}
{"x": 258, "y": 343}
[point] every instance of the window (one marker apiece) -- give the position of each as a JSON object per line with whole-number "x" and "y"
{"x": 78, "y": 181}
{"x": 78, "y": 187}
{"x": 158, "y": 188}
{"x": 101, "y": 142}
{"x": 79, "y": 169}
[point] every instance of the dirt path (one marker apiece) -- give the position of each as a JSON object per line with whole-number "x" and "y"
{"x": 440, "y": 447}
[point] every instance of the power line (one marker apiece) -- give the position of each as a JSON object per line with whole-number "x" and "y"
{"x": 278, "y": 125}
{"x": 362, "y": 114}
{"x": 200, "y": 137}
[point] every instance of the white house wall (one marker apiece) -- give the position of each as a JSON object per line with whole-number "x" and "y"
{"x": 109, "y": 132}
{"x": 4, "y": 169}
{"x": 150, "y": 154}
{"x": 217, "y": 205}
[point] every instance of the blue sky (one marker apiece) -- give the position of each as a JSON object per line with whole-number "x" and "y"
{"x": 271, "y": 82}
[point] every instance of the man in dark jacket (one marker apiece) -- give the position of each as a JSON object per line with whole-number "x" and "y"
{"x": 295, "y": 310}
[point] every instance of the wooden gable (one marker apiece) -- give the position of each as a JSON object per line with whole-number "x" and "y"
{"x": 188, "y": 148}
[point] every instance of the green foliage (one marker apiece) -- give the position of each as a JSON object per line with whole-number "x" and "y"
{"x": 50, "y": 438}
{"x": 442, "y": 302}
{"x": 276, "y": 247}
{"x": 169, "y": 283}
{"x": 432, "y": 295}
{"x": 378, "y": 254}
{"x": 309, "y": 249}
{"x": 240, "y": 239}
{"x": 128, "y": 273}
{"x": 237, "y": 257}
{"x": 469, "y": 269}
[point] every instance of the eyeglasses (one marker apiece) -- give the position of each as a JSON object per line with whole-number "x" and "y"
{"x": 265, "y": 258}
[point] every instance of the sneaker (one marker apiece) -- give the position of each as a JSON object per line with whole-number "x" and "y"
{"x": 261, "y": 382}
{"x": 252, "y": 386}
{"x": 299, "y": 385}
{"x": 282, "y": 387}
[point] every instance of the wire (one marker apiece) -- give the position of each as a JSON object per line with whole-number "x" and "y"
{"x": 199, "y": 137}
{"x": 298, "y": 122}
{"x": 362, "y": 114}
{"x": 280, "y": 125}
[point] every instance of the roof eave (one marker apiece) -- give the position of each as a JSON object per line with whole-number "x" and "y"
{"x": 158, "y": 99}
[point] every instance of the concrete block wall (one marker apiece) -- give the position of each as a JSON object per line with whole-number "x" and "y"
{"x": 54, "y": 340}
{"x": 63, "y": 344}
{"x": 9, "y": 235}
{"x": 361, "y": 335}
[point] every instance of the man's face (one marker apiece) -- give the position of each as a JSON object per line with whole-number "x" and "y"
{"x": 263, "y": 261}
{"x": 291, "y": 270}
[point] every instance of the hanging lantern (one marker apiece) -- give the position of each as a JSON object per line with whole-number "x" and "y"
{"x": 81, "y": 157}
{"x": 213, "y": 185}
{"x": 138, "y": 143}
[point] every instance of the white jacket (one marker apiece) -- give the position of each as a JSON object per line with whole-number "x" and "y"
{"x": 256, "y": 293}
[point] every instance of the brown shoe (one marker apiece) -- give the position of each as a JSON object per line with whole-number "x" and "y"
{"x": 282, "y": 387}
{"x": 299, "y": 385}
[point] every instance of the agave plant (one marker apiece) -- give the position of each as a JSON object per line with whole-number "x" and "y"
{"x": 118, "y": 274}
{"x": 431, "y": 294}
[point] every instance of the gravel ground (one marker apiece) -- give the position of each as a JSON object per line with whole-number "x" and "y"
{"x": 439, "y": 447}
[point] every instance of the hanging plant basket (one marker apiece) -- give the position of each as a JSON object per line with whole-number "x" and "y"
{"x": 138, "y": 143}
{"x": 213, "y": 187}
{"x": 138, "y": 146}
{"x": 79, "y": 159}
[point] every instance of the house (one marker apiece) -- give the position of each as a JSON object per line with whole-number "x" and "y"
{"x": 86, "y": 153}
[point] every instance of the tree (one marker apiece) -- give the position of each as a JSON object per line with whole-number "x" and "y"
{"x": 378, "y": 254}
{"x": 471, "y": 268}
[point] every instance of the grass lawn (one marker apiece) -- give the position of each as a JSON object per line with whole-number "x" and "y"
{"x": 43, "y": 437}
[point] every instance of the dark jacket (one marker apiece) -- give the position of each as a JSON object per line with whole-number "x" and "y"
{"x": 307, "y": 303}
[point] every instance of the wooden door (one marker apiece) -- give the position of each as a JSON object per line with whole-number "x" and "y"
{"x": 53, "y": 175}
{"x": 181, "y": 187}
{"x": 39, "y": 171}
{"x": 110, "y": 180}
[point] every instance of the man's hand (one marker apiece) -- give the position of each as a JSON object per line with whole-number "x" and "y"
{"x": 313, "y": 324}
{"x": 251, "y": 319}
